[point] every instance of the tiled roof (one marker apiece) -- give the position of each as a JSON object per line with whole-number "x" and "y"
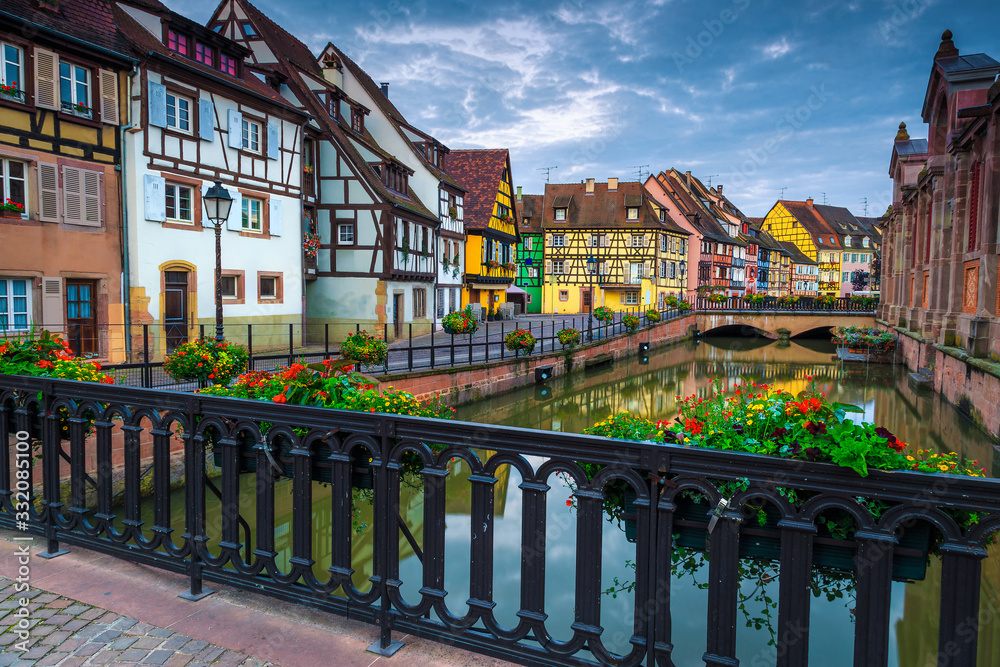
{"x": 911, "y": 147}
{"x": 291, "y": 48}
{"x": 144, "y": 42}
{"x": 756, "y": 222}
{"x": 479, "y": 173}
{"x": 90, "y": 21}
{"x": 813, "y": 223}
{"x": 701, "y": 218}
{"x": 968, "y": 63}
{"x": 798, "y": 257}
{"x": 604, "y": 208}
{"x": 530, "y": 207}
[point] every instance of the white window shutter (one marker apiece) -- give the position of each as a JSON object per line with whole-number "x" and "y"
{"x": 275, "y": 222}
{"x": 234, "y": 222}
{"x": 548, "y": 239}
{"x": 46, "y": 79}
{"x": 605, "y": 241}
{"x": 52, "y": 304}
{"x": 157, "y": 104}
{"x": 92, "y": 210}
{"x": 48, "y": 192}
{"x": 72, "y": 195}
{"x": 273, "y": 141}
{"x": 156, "y": 198}
{"x": 206, "y": 120}
{"x": 548, "y": 266}
{"x": 235, "y": 129}
{"x": 109, "y": 97}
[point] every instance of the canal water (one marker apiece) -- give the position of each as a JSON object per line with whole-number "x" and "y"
{"x": 648, "y": 387}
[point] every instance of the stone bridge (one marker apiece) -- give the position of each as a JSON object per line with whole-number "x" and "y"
{"x": 769, "y": 323}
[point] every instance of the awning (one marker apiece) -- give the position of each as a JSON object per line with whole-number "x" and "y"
{"x": 514, "y": 289}
{"x": 492, "y": 286}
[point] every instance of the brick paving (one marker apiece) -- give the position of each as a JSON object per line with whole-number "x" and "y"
{"x": 68, "y": 633}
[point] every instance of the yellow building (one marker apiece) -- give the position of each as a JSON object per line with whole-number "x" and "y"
{"x": 801, "y": 223}
{"x": 608, "y": 244}
{"x": 491, "y": 233}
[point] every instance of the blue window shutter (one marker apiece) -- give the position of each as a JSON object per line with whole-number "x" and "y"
{"x": 273, "y": 141}
{"x": 274, "y": 216}
{"x": 234, "y": 222}
{"x": 157, "y": 104}
{"x": 206, "y": 120}
{"x": 235, "y": 129}
{"x": 156, "y": 198}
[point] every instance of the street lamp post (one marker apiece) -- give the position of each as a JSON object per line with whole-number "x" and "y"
{"x": 218, "y": 202}
{"x": 591, "y": 269}
{"x": 683, "y": 280}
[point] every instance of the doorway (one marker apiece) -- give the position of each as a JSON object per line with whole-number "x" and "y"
{"x": 586, "y": 300}
{"x": 175, "y": 307}
{"x": 81, "y": 316}
{"x": 397, "y": 316}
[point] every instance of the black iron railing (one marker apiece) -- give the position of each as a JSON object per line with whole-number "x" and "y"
{"x": 308, "y": 444}
{"x": 805, "y": 303}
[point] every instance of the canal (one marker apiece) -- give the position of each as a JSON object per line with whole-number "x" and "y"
{"x": 649, "y": 387}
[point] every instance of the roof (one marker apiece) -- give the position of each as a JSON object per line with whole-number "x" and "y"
{"x": 479, "y": 172}
{"x": 813, "y": 223}
{"x": 700, "y": 218}
{"x": 291, "y": 48}
{"x": 840, "y": 219}
{"x": 146, "y": 43}
{"x": 968, "y": 63}
{"x": 89, "y": 21}
{"x": 605, "y": 208}
{"x": 911, "y": 147}
{"x": 529, "y": 207}
{"x": 798, "y": 257}
{"x": 757, "y": 222}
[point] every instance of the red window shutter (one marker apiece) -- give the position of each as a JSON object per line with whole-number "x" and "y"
{"x": 974, "y": 208}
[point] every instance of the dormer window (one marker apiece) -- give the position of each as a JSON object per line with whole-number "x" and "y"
{"x": 820, "y": 239}
{"x": 177, "y": 42}
{"x": 357, "y": 120}
{"x": 560, "y": 214}
{"x": 228, "y": 64}
{"x": 204, "y": 54}
{"x": 847, "y": 240}
{"x": 632, "y": 213}
{"x": 663, "y": 215}
{"x": 832, "y": 241}
{"x": 864, "y": 241}
{"x": 392, "y": 176}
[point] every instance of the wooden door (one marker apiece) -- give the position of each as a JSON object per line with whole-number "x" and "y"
{"x": 586, "y": 301}
{"x": 175, "y": 308}
{"x": 397, "y": 315}
{"x": 81, "y": 316}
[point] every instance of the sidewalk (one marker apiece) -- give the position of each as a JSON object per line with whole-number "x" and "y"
{"x": 92, "y": 609}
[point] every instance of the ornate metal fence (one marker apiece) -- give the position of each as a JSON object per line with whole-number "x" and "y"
{"x": 70, "y": 498}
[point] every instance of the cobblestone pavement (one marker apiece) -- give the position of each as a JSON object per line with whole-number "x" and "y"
{"x": 67, "y": 633}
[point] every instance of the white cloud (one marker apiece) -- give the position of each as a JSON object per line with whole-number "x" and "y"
{"x": 775, "y": 50}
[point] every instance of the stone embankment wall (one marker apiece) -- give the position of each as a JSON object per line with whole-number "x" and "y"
{"x": 456, "y": 386}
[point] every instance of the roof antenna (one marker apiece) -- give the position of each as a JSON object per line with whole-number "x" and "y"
{"x": 639, "y": 169}
{"x": 547, "y": 171}
{"x": 864, "y": 200}
{"x": 824, "y": 198}
{"x": 782, "y": 196}
{"x": 710, "y": 180}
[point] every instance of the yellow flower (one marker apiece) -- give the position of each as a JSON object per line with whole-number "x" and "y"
{"x": 942, "y": 467}
{"x": 910, "y": 458}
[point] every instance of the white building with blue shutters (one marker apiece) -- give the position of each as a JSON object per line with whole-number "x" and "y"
{"x": 198, "y": 116}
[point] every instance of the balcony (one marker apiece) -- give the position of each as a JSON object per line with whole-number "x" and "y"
{"x": 495, "y": 274}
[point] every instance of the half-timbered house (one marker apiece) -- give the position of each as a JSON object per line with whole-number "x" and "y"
{"x": 491, "y": 233}
{"x": 602, "y": 248}
{"x": 63, "y": 78}
{"x": 199, "y": 116}
{"x": 530, "y": 249}
{"x": 382, "y": 242}
{"x": 804, "y": 271}
{"x": 801, "y": 223}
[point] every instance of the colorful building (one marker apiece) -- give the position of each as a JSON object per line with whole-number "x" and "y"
{"x": 801, "y": 223}
{"x": 65, "y": 78}
{"x": 491, "y": 233}
{"x": 530, "y": 250}
{"x": 804, "y": 272}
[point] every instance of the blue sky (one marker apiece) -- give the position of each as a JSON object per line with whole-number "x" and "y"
{"x": 758, "y": 95}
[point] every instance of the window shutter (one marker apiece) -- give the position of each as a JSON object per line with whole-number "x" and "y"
{"x": 604, "y": 268}
{"x": 52, "y": 304}
{"x": 235, "y": 129}
{"x": 109, "y": 97}
{"x": 206, "y": 120}
{"x": 273, "y": 141}
{"x": 548, "y": 239}
{"x": 548, "y": 267}
{"x": 647, "y": 271}
{"x": 155, "y": 194}
{"x": 605, "y": 241}
{"x": 274, "y": 219}
{"x": 48, "y": 192}
{"x": 46, "y": 79}
{"x": 157, "y": 104}
{"x": 72, "y": 195}
{"x": 92, "y": 213}
{"x": 645, "y": 240}
{"x": 234, "y": 222}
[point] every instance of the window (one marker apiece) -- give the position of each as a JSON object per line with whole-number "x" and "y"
{"x": 11, "y": 71}
{"x": 179, "y": 203}
{"x": 663, "y": 215}
{"x": 632, "y": 213}
{"x": 227, "y": 64}
{"x": 663, "y": 242}
{"x": 74, "y": 89}
{"x": 560, "y": 214}
{"x": 563, "y": 295}
{"x": 204, "y": 54}
{"x": 177, "y": 42}
{"x": 232, "y": 286}
{"x": 663, "y": 268}
{"x": 557, "y": 267}
{"x": 864, "y": 242}
{"x": 15, "y": 304}
{"x": 558, "y": 241}
{"x": 12, "y": 174}
{"x": 345, "y": 234}
{"x": 179, "y": 113}
{"x": 845, "y": 277}
{"x": 820, "y": 239}
{"x": 832, "y": 241}
{"x": 357, "y": 120}
{"x": 847, "y": 240}
{"x": 846, "y": 255}
{"x": 251, "y": 136}
{"x": 439, "y": 306}
{"x": 638, "y": 241}
{"x": 854, "y": 257}
{"x": 248, "y": 29}
{"x": 419, "y": 303}
{"x": 595, "y": 240}
{"x": 252, "y": 220}
{"x": 631, "y": 298}
{"x": 269, "y": 287}
{"x": 682, "y": 247}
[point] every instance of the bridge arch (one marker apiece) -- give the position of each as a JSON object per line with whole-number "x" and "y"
{"x": 773, "y": 323}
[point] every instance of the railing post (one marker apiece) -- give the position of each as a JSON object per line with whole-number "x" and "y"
{"x": 326, "y": 340}
{"x": 723, "y": 587}
{"x": 51, "y": 501}
{"x": 147, "y": 368}
{"x": 250, "y": 364}
{"x": 958, "y": 630}
{"x": 384, "y": 516}
{"x": 194, "y": 502}
{"x": 432, "y": 345}
{"x": 794, "y": 593}
{"x": 291, "y": 343}
{"x": 874, "y": 589}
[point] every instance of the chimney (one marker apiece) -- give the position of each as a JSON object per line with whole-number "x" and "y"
{"x": 590, "y": 186}
{"x": 687, "y": 177}
{"x": 720, "y": 189}
{"x": 612, "y": 184}
{"x": 384, "y": 86}
{"x": 809, "y": 202}
{"x": 519, "y": 193}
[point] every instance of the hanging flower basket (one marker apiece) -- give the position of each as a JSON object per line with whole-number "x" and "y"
{"x": 631, "y": 322}
{"x": 207, "y": 361}
{"x": 824, "y": 301}
{"x": 652, "y": 316}
{"x": 603, "y": 314}
{"x": 520, "y": 340}
{"x": 460, "y": 323}
{"x": 568, "y": 337}
{"x": 365, "y": 349}
{"x": 311, "y": 243}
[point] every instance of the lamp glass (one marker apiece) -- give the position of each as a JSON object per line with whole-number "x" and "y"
{"x": 218, "y": 203}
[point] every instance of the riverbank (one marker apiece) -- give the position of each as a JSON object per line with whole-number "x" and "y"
{"x": 466, "y": 384}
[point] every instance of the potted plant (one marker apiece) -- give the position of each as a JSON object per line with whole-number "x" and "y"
{"x": 683, "y": 306}
{"x": 81, "y": 108}
{"x": 520, "y": 340}
{"x": 452, "y": 212}
{"x": 460, "y": 322}
{"x": 603, "y": 314}
{"x": 631, "y": 322}
{"x": 510, "y": 266}
{"x": 11, "y": 209}
{"x": 787, "y": 301}
{"x": 717, "y": 297}
{"x": 824, "y": 300}
{"x": 445, "y": 262}
{"x": 671, "y": 301}
{"x": 365, "y": 349}
{"x": 756, "y": 299}
{"x": 492, "y": 264}
{"x": 490, "y": 314}
{"x": 12, "y": 90}
{"x": 307, "y": 168}
{"x": 311, "y": 243}
{"x": 206, "y": 360}
{"x": 652, "y": 316}
{"x": 569, "y": 337}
